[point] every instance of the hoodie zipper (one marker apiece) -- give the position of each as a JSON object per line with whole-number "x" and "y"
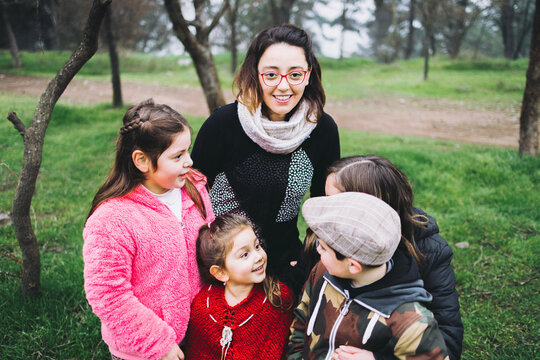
{"x": 343, "y": 311}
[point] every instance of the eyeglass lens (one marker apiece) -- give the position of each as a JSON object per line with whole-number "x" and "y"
{"x": 293, "y": 78}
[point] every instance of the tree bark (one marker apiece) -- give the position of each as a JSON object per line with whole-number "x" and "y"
{"x": 47, "y": 24}
{"x": 530, "y": 109}
{"x": 281, "y": 11}
{"x": 425, "y": 46}
{"x": 384, "y": 18}
{"x": 198, "y": 47}
{"x": 13, "y": 48}
{"x": 343, "y": 24}
{"x": 33, "y": 138}
{"x": 525, "y": 26}
{"x": 428, "y": 15}
{"x": 507, "y": 27}
{"x": 233, "y": 22}
{"x": 115, "y": 63}
{"x": 410, "y": 35}
{"x": 456, "y": 26}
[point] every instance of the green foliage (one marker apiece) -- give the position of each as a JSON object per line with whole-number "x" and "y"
{"x": 486, "y": 196}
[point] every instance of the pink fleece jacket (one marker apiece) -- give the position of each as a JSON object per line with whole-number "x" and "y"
{"x": 140, "y": 271}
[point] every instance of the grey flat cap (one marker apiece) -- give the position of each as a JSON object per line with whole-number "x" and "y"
{"x": 357, "y": 225}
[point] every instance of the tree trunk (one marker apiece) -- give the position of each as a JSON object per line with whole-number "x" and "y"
{"x": 433, "y": 43}
{"x": 530, "y": 109}
{"x": 13, "y": 48}
{"x": 343, "y": 23}
{"x": 426, "y": 54}
{"x": 208, "y": 76}
{"x": 33, "y": 138}
{"x": 198, "y": 47}
{"x": 233, "y": 22}
{"x": 115, "y": 64}
{"x": 507, "y": 28}
{"x": 457, "y": 27}
{"x": 47, "y": 24}
{"x": 281, "y": 11}
{"x": 383, "y": 20}
{"x": 410, "y": 35}
{"x": 428, "y": 9}
{"x": 522, "y": 32}
{"x": 478, "y": 40}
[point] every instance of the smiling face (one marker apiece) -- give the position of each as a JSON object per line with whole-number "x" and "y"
{"x": 172, "y": 166}
{"x": 282, "y": 58}
{"x": 245, "y": 264}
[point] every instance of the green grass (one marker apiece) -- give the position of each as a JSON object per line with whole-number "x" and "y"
{"x": 488, "y": 83}
{"x": 495, "y": 83}
{"x": 486, "y": 196}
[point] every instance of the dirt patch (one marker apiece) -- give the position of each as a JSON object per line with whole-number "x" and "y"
{"x": 438, "y": 119}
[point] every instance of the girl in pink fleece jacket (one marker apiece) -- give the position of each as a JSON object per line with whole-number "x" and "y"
{"x": 140, "y": 266}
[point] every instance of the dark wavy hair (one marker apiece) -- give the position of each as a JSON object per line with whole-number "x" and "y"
{"x": 150, "y": 128}
{"x": 247, "y": 82}
{"x": 377, "y": 176}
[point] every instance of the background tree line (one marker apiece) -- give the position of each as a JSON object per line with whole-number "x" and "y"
{"x": 397, "y": 29}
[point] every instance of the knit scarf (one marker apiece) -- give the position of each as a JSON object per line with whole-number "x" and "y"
{"x": 277, "y": 137}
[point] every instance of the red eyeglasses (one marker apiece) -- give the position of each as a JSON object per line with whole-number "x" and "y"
{"x": 295, "y": 77}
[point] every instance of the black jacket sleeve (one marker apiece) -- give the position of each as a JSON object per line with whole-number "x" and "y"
{"x": 440, "y": 281}
{"x": 327, "y": 143}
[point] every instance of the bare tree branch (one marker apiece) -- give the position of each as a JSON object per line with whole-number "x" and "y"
{"x": 34, "y": 137}
{"x": 199, "y": 11}
{"x": 199, "y": 49}
{"x": 12, "y": 116}
{"x": 10, "y": 274}
{"x": 11, "y": 257}
{"x": 180, "y": 25}
{"x": 195, "y": 23}
{"x": 218, "y": 16}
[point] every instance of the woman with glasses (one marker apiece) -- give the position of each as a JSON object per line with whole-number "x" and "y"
{"x": 263, "y": 152}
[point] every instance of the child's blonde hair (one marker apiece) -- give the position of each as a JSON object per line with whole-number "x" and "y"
{"x": 216, "y": 240}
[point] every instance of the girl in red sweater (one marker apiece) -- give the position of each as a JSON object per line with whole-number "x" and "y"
{"x": 240, "y": 313}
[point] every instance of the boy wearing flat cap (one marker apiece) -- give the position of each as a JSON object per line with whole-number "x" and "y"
{"x": 358, "y": 300}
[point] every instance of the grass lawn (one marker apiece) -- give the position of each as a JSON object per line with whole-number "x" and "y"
{"x": 488, "y": 197}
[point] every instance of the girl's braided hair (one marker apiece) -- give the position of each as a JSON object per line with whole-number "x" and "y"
{"x": 150, "y": 128}
{"x": 132, "y": 125}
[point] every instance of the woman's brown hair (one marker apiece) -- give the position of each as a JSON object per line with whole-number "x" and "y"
{"x": 214, "y": 242}
{"x": 247, "y": 82}
{"x": 377, "y": 176}
{"x": 150, "y": 128}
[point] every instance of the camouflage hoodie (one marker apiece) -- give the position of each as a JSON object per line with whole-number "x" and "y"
{"x": 384, "y": 317}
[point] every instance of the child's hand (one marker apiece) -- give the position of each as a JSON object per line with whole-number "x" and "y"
{"x": 174, "y": 354}
{"x": 352, "y": 353}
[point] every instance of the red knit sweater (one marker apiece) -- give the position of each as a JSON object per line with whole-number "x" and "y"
{"x": 263, "y": 336}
